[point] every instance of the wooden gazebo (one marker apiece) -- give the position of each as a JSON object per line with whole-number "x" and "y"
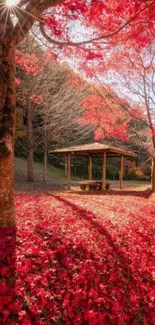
{"x": 94, "y": 150}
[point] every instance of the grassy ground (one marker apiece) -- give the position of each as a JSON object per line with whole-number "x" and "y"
{"x": 132, "y": 184}
{"x": 56, "y": 179}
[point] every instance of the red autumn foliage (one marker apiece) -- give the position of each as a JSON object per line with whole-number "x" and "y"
{"x": 79, "y": 260}
{"x": 110, "y": 24}
{"x": 105, "y": 111}
{"x": 37, "y": 99}
{"x": 102, "y": 18}
{"x": 29, "y": 62}
{"x": 18, "y": 81}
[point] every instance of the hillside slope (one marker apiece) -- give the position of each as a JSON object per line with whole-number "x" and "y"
{"x": 55, "y": 177}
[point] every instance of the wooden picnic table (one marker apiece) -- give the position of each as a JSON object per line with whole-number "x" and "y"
{"x": 93, "y": 185}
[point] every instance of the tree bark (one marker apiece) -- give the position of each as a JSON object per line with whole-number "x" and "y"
{"x": 45, "y": 165}
{"x": 153, "y": 167}
{"x": 153, "y": 175}
{"x": 7, "y": 128}
{"x": 30, "y": 170}
{"x": 45, "y": 148}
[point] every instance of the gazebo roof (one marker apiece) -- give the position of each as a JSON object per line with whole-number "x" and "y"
{"x": 94, "y": 149}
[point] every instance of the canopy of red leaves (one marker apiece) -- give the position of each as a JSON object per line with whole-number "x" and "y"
{"x": 104, "y": 110}
{"x": 108, "y": 23}
{"x": 79, "y": 260}
{"x": 103, "y": 18}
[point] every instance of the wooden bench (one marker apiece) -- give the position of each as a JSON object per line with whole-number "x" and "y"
{"x": 93, "y": 185}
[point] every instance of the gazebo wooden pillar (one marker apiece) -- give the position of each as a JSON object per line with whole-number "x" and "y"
{"x": 91, "y": 150}
{"x": 90, "y": 168}
{"x": 103, "y": 170}
{"x": 68, "y": 170}
{"x": 121, "y": 172}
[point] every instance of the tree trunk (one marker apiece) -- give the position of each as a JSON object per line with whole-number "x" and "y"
{"x": 30, "y": 171}
{"x": 45, "y": 148}
{"x": 7, "y": 127}
{"x": 153, "y": 167}
{"x": 153, "y": 175}
{"x": 45, "y": 165}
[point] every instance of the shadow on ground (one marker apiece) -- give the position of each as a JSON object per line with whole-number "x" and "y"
{"x": 123, "y": 285}
{"x": 138, "y": 193}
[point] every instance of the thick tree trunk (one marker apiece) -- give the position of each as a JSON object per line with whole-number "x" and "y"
{"x": 7, "y": 126}
{"x": 30, "y": 171}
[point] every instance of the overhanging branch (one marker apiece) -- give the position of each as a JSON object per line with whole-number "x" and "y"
{"x": 31, "y": 14}
{"x": 35, "y": 9}
{"x": 96, "y": 39}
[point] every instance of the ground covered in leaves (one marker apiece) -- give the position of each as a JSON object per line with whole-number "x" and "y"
{"x": 78, "y": 260}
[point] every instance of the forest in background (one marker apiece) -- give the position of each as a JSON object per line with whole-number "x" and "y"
{"x": 57, "y": 107}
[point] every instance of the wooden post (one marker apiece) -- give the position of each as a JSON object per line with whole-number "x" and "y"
{"x": 68, "y": 170}
{"x": 90, "y": 169}
{"x": 121, "y": 172}
{"x": 103, "y": 170}
{"x": 66, "y": 166}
